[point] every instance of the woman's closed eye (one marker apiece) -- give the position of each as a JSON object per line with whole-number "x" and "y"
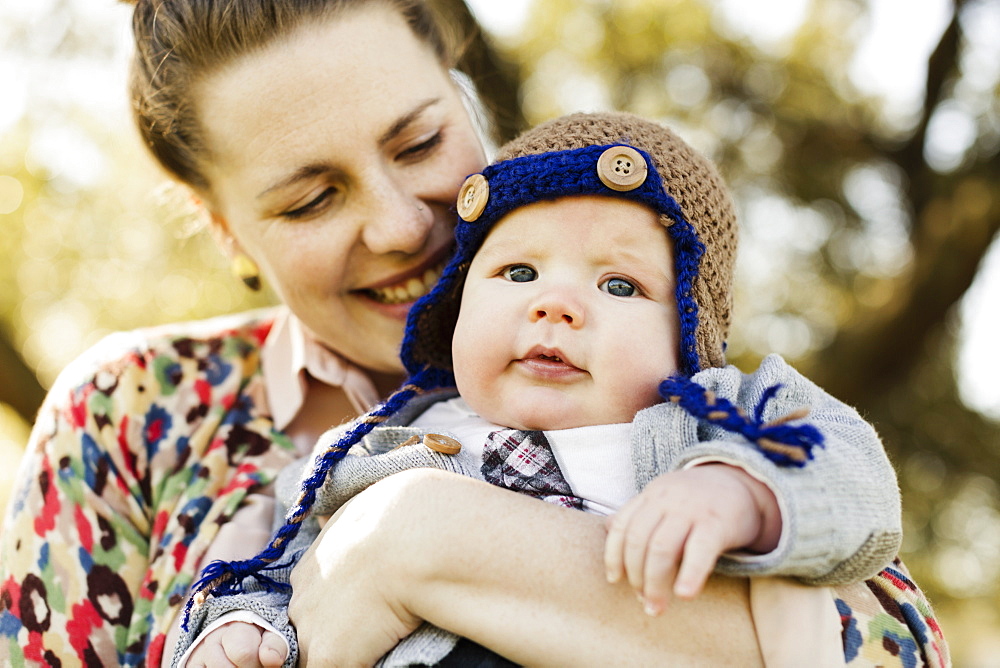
{"x": 420, "y": 150}
{"x": 313, "y": 206}
{"x": 519, "y": 273}
{"x": 620, "y": 287}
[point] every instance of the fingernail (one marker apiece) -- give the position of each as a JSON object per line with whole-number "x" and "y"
{"x": 684, "y": 589}
{"x": 612, "y": 576}
{"x": 651, "y": 609}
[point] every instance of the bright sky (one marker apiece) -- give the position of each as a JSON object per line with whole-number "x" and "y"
{"x": 890, "y": 63}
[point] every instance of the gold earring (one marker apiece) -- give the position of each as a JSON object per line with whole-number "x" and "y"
{"x": 246, "y": 270}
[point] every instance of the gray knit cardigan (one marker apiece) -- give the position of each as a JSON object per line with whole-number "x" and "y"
{"x": 841, "y": 511}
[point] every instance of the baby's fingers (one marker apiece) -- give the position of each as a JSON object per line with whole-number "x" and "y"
{"x": 242, "y": 641}
{"x": 614, "y": 544}
{"x": 701, "y": 551}
{"x": 636, "y": 545}
{"x": 273, "y": 650}
{"x": 209, "y": 655}
{"x": 662, "y": 558}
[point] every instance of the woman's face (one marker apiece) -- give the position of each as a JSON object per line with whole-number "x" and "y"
{"x": 336, "y": 155}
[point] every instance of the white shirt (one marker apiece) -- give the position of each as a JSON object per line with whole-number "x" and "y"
{"x": 595, "y": 460}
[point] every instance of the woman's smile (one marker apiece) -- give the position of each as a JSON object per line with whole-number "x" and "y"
{"x": 407, "y": 289}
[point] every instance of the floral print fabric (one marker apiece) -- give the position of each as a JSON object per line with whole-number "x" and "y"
{"x": 887, "y": 621}
{"x": 135, "y": 461}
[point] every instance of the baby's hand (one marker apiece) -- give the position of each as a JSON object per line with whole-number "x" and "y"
{"x": 671, "y": 535}
{"x": 239, "y": 644}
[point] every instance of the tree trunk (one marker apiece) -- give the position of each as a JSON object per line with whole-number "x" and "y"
{"x": 19, "y": 386}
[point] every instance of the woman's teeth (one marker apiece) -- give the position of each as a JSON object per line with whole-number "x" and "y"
{"x": 407, "y": 291}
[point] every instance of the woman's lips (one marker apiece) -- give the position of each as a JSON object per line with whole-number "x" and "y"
{"x": 408, "y": 286}
{"x": 407, "y": 291}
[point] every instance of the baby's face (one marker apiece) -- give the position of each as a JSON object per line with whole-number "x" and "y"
{"x": 567, "y": 316}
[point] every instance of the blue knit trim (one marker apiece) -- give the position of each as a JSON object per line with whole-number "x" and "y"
{"x": 221, "y": 578}
{"x": 546, "y": 176}
{"x": 782, "y": 443}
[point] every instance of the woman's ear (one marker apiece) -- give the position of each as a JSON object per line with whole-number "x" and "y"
{"x": 218, "y": 227}
{"x": 241, "y": 265}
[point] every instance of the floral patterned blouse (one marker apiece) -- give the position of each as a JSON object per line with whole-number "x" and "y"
{"x": 144, "y": 447}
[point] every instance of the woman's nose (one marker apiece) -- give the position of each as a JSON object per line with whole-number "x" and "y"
{"x": 558, "y": 306}
{"x": 396, "y": 220}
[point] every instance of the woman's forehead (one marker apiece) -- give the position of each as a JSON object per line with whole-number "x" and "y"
{"x": 352, "y": 77}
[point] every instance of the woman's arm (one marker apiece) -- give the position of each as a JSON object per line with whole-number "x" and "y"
{"x": 523, "y": 578}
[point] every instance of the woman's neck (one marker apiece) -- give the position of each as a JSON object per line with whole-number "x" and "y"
{"x": 386, "y": 383}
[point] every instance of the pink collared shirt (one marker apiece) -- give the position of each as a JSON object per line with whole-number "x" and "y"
{"x": 290, "y": 357}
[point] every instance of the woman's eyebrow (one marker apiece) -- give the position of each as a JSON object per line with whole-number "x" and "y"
{"x": 309, "y": 171}
{"x": 405, "y": 120}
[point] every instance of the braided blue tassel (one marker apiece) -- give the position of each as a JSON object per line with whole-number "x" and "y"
{"x": 222, "y": 578}
{"x": 780, "y": 442}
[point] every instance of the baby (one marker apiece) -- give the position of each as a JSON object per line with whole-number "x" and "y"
{"x": 591, "y": 282}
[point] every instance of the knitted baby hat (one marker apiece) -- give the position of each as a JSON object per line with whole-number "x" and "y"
{"x": 610, "y": 154}
{"x": 560, "y": 158}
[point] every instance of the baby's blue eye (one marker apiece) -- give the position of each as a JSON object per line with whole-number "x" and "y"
{"x": 619, "y": 287}
{"x": 520, "y": 273}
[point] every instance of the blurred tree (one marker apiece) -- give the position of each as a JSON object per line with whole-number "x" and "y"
{"x": 863, "y": 226}
{"x": 19, "y": 386}
{"x": 495, "y": 76}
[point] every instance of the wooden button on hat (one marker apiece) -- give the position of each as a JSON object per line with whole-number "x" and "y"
{"x": 472, "y": 197}
{"x": 621, "y": 168}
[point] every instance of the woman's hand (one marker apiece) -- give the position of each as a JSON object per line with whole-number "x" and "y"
{"x": 668, "y": 538}
{"x": 342, "y": 603}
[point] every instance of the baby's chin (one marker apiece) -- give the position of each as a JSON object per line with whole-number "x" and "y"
{"x": 540, "y": 419}
{"x": 541, "y": 408}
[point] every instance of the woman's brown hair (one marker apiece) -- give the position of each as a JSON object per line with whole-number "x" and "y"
{"x": 180, "y": 42}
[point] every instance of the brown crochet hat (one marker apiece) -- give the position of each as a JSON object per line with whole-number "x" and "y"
{"x": 559, "y": 158}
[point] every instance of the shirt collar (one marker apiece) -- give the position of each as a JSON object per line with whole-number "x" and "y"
{"x": 290, "y": 352}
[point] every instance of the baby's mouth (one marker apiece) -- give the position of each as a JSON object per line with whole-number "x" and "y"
{"x": 550, "y": 358}
{"x": 406, "y": 291}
